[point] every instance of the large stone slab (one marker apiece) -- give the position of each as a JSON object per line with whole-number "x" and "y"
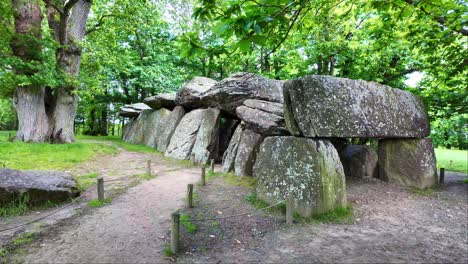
{"x": 229, "y": 93}
{"x": 39, "y": 186}
{"x": 169, "y": 125}
{"x": 325, "y": 106}
{"x": 133, "y": 110}
{"x": 247, "y": 152}
{"x": 359, "y": 162}
{"x": 230, "y": 154}
{"x": 128, "y": 128}
{"x": 165, "y": 100}
{"x": 189, "y": 95}
{"x": 262, "y": 122}
{"x": 409, "y": 162}
{"x": 305, "y": 170}
{"x": 206, "y": 142}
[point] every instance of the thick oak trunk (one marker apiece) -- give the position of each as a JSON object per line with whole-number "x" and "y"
{"x": 28, "y": 100}
{"x": 33, "y": 124}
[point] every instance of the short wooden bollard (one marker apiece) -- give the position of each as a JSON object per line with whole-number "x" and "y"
{"x": 148, "y": 167}
{"x": 175, "y": 233}
{"x": 203, "y": 176}
{"x": 212, "y": 164}
{"x": 289, "y": 211}
{"x": 442, "y": 176}
{"x": 100, "y": 189}
{"x": 190, "y": 195}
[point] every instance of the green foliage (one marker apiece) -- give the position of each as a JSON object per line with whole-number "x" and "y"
{"x": 185, "y": 221}
{"x": 95, "y": 203}
{"x": 246, "y": 182}
{"x": 341, "y": 215}
{"x": 7, "y": 115}
{"x": 465, "y": 180}
{"x": 167, "y": 252}
{"x": 422, "y": 192}
{"x": 452, "y": 159}
{"x": 43, "y": 156}
{"x": 24, "y": 239}
{"x": 18, "y": 206}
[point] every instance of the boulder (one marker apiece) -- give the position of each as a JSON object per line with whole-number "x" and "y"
{"x": 40, "y": 186}
{"x": 169, "y": 125}
{"x": 132, "y": 110}
{"x": 262, "y": 122}
{"x": 359, "y": 162}
{"x": 206, "y": 143}
{"x": 128, "y": 128}
{"x": 165, "y": 100}
{"x": 153, "y": 126}
{"x": 408, "y": 162}
{"x": 229, "y": 156}
{"x": 189, "y": 95}
{"x": 305, "y": 170}
{"x": 247, "y": 152}
{"x": 325, "y": 106}
{"x": 229, "y": 93}
{"x": 195, "y": 136}
{"x": 265, "y": 106}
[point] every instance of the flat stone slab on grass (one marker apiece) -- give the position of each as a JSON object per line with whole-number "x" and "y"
{"x": 408, "y": 162}
{"x": 40, "y": 186}
{"x": 325, "y": 106}
{"x": 305, "y": 170}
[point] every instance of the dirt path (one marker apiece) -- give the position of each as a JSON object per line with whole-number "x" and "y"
{"x": 131, "y": 228}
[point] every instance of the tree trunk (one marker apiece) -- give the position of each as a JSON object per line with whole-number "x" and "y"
{"x": 26, "y": 45}
{"x": 33, "y": 125}
{"x": 103, "y": 125}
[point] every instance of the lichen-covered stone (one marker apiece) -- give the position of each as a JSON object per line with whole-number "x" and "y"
{"x": 325, "y": 106}
{"x": 128, "y": 128}
{"x": 164, "y": 100}
{"x": 189, "y": 95}
{"x": 409, "y": 162}
{"x": 229, "y": 156}
{"x": 153, "y": 126}
{"x": 265, "y": 106}
{"x": 183, "y": 139}
{"x": 359, "y": 162}
{"x": 305, "y": 170}
{"x": 261, "y": 122}
{"x": 206, "y": 142}
{"x": 40, "y": 186}
{"x": 169, "y": 125}
{"x": 229, "y": 93}
{"x": 247, "y": 152}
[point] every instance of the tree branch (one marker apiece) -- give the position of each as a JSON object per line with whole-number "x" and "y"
{"x": 99, "y": 23}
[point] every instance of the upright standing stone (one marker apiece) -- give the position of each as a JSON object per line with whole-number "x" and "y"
{"x": 183, "y": 139}
{"x": 247, "y": 152}
{"x": 169, "y": 125}
{"x": 229, "y": 156}
{"x": 153, "y": 126}
{"x": 206, "y": 143}
{"x": 305, "y": 170}
{"x": 325, "y": 106}
{"x": 409, "y": 162}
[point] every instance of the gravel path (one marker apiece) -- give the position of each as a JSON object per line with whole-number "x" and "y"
{"x": 131, "y": 229}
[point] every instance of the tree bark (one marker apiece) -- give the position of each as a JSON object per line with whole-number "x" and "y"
{"x": 26, "y": 45}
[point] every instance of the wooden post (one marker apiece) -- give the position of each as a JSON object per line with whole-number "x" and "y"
{"x": 442, "y": 176}
{"x": 175, "y": 232}
{"x": 148, "y": 167}
{"x": 190, "y": 195}
{"x": 203, "y": 176}
{"x": 289, "y": 211}
{"x": 100, "y": 189}
{"x": 212, "y": 164}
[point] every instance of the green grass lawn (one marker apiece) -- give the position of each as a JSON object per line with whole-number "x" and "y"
{"x": 459, "y": 159}
{"x": 43, "y": 156}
